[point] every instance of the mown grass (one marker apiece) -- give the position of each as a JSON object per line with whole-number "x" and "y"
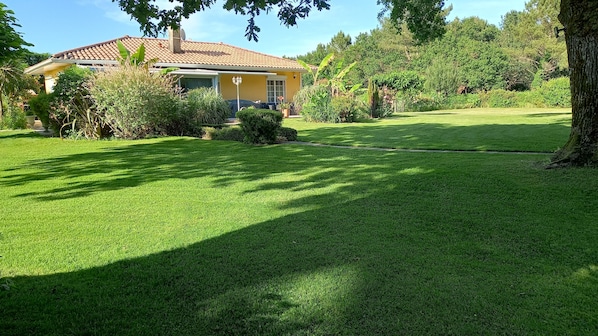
{"x": 530, "y": 130}
{"x": 181, "y": 236}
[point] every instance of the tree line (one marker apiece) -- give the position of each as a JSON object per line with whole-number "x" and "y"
{"x": 471, "y": 56}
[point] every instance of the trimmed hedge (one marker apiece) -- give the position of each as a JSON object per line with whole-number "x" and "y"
{"x": 260, "y": 126}
{"x": 231, "y": 133}
{"x": 287, "y": 134}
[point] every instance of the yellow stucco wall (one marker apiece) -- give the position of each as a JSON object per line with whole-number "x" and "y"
{"x": 293, "y": 85}
{"x": 253, "y": 87}
{"x": 50, "y": 77}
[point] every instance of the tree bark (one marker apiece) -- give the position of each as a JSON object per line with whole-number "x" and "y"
{"x": 580, "y": 19}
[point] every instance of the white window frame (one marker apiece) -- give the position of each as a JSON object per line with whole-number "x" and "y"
{"x": 278, "y": 86}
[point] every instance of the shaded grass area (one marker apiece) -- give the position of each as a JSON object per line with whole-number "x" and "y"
{"x": 528, "y": 130}
{"x": 180, "y": 236}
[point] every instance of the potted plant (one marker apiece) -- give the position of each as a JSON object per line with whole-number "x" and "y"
{"x": 29, "y": 116}
{"x": 284, "y": 107}
{"x": 40, "y": 106}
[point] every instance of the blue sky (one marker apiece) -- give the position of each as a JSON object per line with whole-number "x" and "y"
{"x": 59, "y": 25}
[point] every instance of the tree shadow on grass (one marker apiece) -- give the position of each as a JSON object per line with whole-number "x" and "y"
{"x": 19, "y": 134}
{"x": 126, "y": 166}
{"x": 404, "y": 245}
{"x": 324, "y": 272}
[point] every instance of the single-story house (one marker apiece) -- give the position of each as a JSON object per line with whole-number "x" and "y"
{"x": 201, "y": 64}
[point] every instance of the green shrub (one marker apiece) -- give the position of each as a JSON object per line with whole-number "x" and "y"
{"x": 230, "y": 133}
{"x": 303, "y": 96}
{"x": 501, "y": 98}
{"x": 40, "y": 106}
{"x": 346, "y": 107}
{"x": 70, "y": 101}
{"x": 538, "y": 80}
{"x": 425, "y": 102}
{"x": 287, "y": 134}
{"x": 181, "y": 121}
{"x": 135, "y": 103}
{"x": 13, "y": 118}
{"x": 400, "y": 81}
{"x": 208, "y": 132}
{"x": 315, "y": 104}
{"x": 557, "y": 92}
{"x": 260, "y": 126}
{"x": 208, "y": 106}
{"x": 529, "y": 99}
{"x": 442, "y": 77}
{"x": 463, "y": 101}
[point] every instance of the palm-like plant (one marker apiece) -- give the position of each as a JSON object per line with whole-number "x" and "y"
{"x": 323, "y": 64}
{"x": 336, "y": 81}
{"x": 13, "y": 83}
{"x": 138, "y": 58}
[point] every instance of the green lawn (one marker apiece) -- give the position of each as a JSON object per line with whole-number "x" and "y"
{"x": 531, "y": 130}
{"x": 180, "y": 236}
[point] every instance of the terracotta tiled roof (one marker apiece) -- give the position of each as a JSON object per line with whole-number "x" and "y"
{"x": 212, "y": 55}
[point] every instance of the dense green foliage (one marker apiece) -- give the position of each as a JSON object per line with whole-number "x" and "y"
{"x": 130, "y": 102}
{"x": 15, "y": 86}
{"x": 260, "y": 126}
{"x": 11, "y": 42}
{"x": 405, "y": 81}
{"x": 347, "y": 109}
{"x": 40, "y": 106}
{"x": 556, "y": 92}
{"x": 472, "y": 56}
{"x": 70, "y": 102}
{"x": 315, "y": 104}
{"x": 426, "y": 18}
{"x": 13, "y": 118}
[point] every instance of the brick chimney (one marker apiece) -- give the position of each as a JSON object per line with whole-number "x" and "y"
{"x": 174, "y": 40}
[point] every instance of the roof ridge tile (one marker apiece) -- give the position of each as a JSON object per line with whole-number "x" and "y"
{"x": 195, "y": 53}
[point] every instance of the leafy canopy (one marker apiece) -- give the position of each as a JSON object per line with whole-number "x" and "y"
{"x": 423, "y": 17}
{"x": 11, "y": 42}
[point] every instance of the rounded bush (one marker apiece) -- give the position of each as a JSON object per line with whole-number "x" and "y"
{"x": 260, "y": 126}
{"x": 287, "y": 133}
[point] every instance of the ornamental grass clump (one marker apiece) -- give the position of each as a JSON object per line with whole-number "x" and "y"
{"x": 134, "y": 102}
{"x": 314, "y": 104}
{"x": 208, "y": 106}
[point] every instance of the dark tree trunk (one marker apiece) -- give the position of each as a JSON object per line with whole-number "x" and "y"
{"x": 580, "y": 19}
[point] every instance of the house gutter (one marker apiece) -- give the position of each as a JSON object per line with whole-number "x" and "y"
{"x": 234, "y": 68}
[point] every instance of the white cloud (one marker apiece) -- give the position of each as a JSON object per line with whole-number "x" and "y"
{"x": 211, "y": 25}
{"x": 110, "y": 10}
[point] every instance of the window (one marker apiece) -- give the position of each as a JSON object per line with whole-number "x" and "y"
{"x": 190, "y": 83}
{"x": 276, "y": 88}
